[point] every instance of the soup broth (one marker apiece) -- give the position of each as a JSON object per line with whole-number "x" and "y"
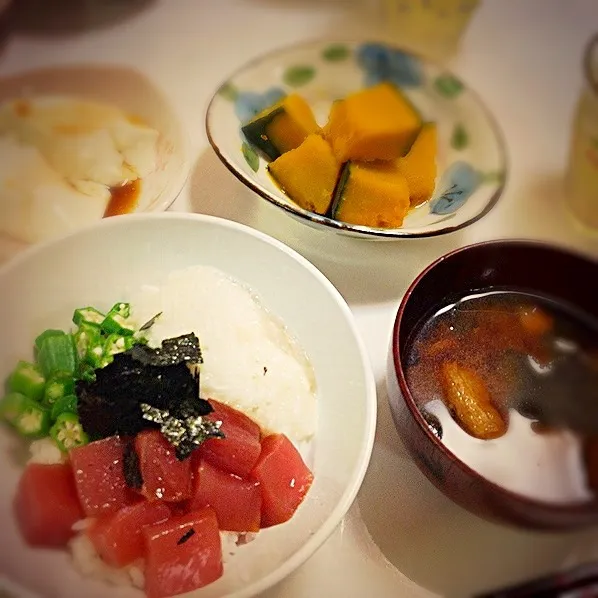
{"x": 509, "y": 382}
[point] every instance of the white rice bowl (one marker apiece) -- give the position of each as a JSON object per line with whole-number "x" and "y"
{"x": 113, "y": 261}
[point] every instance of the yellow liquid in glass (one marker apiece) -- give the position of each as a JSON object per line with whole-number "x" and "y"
{"x": 433, "y": 28}
{"x": 582, "y": 178}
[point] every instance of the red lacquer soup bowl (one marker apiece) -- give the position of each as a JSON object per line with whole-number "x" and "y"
{"x": 525, "y": 266}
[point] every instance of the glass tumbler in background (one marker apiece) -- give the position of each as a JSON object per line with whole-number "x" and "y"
{"x": 433, "y": 28}
{"x": 582, "y": 174}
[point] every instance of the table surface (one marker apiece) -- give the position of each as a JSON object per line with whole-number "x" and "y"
{"x": 401, "y": 537}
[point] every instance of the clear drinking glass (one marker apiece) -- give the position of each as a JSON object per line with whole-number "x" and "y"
{"x": 582, "y": 174}
{"x": 433, "y": 28}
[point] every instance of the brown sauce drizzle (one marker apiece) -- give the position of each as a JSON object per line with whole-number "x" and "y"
{"x": 123, "y": 199}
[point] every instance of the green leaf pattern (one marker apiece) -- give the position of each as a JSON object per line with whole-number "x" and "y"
{"x": 335, "y": 53}
{"x": 448, "y": 86}
{"x": 250, "y": 156}
{"x": 229, "y": 92}
{"x": 459, "y": 138}
{"x": 296, "y": 76}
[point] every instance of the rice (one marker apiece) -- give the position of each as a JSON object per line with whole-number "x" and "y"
{"x": 89, "y": 564}
{"x": 251, "y": 362}
{"x": 45, "y": 452}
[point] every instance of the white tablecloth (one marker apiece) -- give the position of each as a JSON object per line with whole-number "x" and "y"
{"x": 402, "y": 537}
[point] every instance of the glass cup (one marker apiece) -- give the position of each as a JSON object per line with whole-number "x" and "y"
{"x": 433, "y": 28}
{"x": 582, "y": 173}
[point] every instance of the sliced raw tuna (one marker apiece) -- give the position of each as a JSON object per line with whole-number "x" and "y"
{"x": 164, "y": 476}
{"x": 99, "y": 476}
{"x": 182, "y": 554}
{"x": 240, "y": 448}
{"x": 284, "y": 479}
{"x": 237, "y": 502}
{"x": 46, "y": 505}
{"x": 118, "y": 537}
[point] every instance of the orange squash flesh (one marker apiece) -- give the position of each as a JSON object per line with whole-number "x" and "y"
{"x": 374, "y": 194}
{"x": 377, "y": 123}
{"x": 419, "y": 165}
{"x": 308, "y": 174}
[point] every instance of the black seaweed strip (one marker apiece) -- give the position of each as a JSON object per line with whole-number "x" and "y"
{"x": 150, "y": 322}
{"x": 131, "y": 469}
{"x": 186, "y": 536}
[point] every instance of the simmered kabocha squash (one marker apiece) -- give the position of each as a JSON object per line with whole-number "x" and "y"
{"x": 377, "y": 123}
{"x": 282, "y": 127}
{"x": 419, "y": 165}
{"x": 371, "y": 194}
{"x": 308, "y": 174}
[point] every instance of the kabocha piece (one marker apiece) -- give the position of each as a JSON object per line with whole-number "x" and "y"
{"x": 468, "y": 399}
{"x": 378, "y": 123}
{"x": 281, "y": 127}
{"x": 419, "y": 165}
{"x": 308, "y": 174}
{"x": 371, "y": 194}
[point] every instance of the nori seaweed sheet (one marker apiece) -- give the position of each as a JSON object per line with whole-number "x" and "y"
{"x": 131, "y": 468}
{"x": 110, "y": 404}
{"x": 182, "y": 349}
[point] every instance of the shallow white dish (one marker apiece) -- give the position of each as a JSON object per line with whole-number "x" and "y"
{"x": 472, "y": 163}
{"x": 130, "y": 91}
{"x": 142, "y": 249}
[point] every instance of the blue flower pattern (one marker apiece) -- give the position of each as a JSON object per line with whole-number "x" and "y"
{"x": 382, "y": 63}
{"x": 458, "y": 184}
{"x": 248, "y": 103}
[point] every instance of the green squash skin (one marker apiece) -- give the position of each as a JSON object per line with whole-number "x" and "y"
{"x": 255, "y": 132}
{"x": 339, "y": 189}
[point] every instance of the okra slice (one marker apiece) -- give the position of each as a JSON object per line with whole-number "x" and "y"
{"x": 57, "y": 354}
{"x": 45, "y": 334}
{"x": 59, "y": 385}
{"x": 28, "y": 379}
{"x": 34, "y": 420}
{"x": 11, "y": 406}
{"x": 85, "y": 337}
{"x": 68, "y": 432}
{"x": 116, "y": 320}
{"x": 66, "y": 404}
{"x": 96, "y": 357}
{"x": 116, "y": 343}
{"x": 88, "y": 315}
{"x": 86, "y": 372}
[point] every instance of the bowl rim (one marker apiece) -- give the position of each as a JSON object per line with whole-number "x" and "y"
{"x": 335, "y": 225}
{"x": 105, "y": 69}
{"x": 568, "y": 508}
{"x": 336, "y": 515}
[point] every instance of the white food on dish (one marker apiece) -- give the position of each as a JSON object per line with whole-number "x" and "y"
{"x": 60, "y": 157}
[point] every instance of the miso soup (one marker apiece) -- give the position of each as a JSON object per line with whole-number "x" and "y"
{"x": 509, "y": 382}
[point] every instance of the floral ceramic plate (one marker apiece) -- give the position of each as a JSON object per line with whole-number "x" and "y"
{"x": 471, "y": 155}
